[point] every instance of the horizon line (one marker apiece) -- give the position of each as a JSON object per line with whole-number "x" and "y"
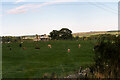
{"x": 72, "y": 33}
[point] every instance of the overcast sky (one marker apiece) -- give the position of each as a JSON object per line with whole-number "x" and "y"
{"x": 20, "y": 17}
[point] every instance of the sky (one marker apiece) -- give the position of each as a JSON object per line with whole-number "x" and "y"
{"x": 20, "y": 17}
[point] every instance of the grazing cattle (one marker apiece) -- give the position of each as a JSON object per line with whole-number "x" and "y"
{"x": 49, "y": 46}
{"x": 20, "y": 45}
{"x": 37, "y": 48}
{"x": 10, "y": 48}
{"x": 24, "y": 48}
{"x": 97, "y": 44}
{"x": 68, "y": 50}
{"x": 79, "y": 46}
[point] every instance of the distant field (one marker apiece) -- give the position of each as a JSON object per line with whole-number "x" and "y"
{"x": 32, "y": 63}
{"x": 88, "y": 34}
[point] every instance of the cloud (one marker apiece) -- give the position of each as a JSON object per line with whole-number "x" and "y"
{"x": 17, "y": 11}
{"x": 27, "y": 7}
{"x": 19, "y": 1}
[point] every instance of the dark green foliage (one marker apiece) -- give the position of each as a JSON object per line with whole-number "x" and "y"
{"x": 62, "y": 34}
{"x": 65, "y": 33}
{"x": 11, "y": 39}
{"x": 54, "y": 34}
{"x": 107, "y": 55}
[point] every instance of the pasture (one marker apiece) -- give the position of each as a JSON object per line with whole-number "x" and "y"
{"x": 34, "y": 63}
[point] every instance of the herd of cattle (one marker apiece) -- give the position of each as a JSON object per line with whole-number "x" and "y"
{"x": 49, "y": 46}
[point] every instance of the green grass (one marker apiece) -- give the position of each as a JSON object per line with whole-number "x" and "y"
{"x": 32, "y": 63}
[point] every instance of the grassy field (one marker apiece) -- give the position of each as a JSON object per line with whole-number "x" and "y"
{"x": 91, "y": 34}
{"x": 33, "y": 63}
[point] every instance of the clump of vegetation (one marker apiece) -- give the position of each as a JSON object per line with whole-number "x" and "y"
{"x": 107, "y": 56}
{"x": 62, "y": 34}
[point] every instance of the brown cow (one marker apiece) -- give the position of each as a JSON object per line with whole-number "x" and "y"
{"x": 68, "y": 50}
{"x": 24, "y": 48}
{"x": 37, "y": 47}
{"x": 79, "y": 46}
{"x": 49, "y": 45}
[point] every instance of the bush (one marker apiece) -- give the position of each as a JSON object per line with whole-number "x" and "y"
{"x": 107, "y": 55}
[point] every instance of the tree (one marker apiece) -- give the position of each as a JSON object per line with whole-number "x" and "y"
{"x": 64, "y": 33}
{"x": 54, "y": 34}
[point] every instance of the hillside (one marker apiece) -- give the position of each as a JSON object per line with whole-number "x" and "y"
{"x": 94, "y": 33}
